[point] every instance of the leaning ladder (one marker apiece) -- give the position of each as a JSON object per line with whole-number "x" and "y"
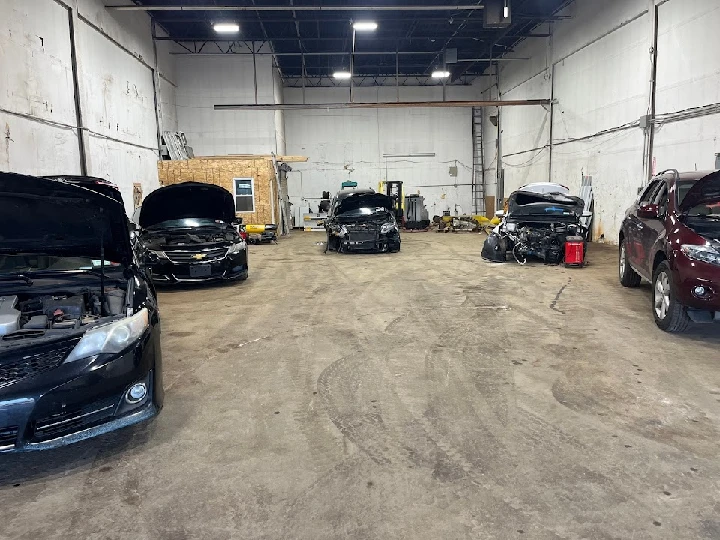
{"x": 478, "y": 169}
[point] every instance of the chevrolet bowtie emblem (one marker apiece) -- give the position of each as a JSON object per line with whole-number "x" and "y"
{"x": 199, "y": 256}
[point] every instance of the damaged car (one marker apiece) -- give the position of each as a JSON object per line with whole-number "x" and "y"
{"x": 188, "y": 233}
{"x": 671, "y": 237}
{"x": 537, "y": 224}
{"x": 362, "y": 220}
{"x": 79, "y": 323}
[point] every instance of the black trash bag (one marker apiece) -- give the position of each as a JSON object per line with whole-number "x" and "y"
{"x": 494, "y": 249}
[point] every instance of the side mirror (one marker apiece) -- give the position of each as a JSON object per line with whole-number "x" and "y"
{"x": 500, "y": 213}
{"x": 648, "y": 211}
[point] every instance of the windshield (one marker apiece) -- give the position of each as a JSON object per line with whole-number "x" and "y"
{"x": 37, "y": 262}
{"x": 187, "y": 223}
{"x": 702, "y": 211}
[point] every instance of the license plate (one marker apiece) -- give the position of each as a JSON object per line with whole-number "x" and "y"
{"x": 200, "y": 270}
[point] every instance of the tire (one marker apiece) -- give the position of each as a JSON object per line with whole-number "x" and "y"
{"x": 628, "y": 276}
{"x": 670, "y": 315}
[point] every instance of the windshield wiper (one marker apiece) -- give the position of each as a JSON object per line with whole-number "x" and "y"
{"x": 16, "y": 277}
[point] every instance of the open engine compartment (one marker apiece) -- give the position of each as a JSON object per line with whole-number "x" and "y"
{"x": 27, "y": 316}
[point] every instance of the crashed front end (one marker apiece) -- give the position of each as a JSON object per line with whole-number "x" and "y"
{"x": 363, "y": 222}
{"x": 536, "y": 225}
{"x": 379, "y": 235}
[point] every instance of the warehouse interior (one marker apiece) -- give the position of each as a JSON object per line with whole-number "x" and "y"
{"x": 421, "y": 392}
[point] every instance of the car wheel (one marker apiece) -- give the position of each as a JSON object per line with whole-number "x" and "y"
{"x": 628, "y": 276}
{"x": 670, "y": 315}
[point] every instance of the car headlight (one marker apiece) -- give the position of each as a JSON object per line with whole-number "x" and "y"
{"x": 237, "y": 248}
{"x": 388, "y": 227}
{"x": 702, "y": 253}
{"x": 111, "y": 338}
{"x": 156, "y": 255}
{"x": 343, "y": 231}
{"x": 511, "y": 227}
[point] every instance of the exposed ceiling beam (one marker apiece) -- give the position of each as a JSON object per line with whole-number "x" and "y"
{"x": 388, "y": 105}
{"x": 466, "y": 7}
{"x": 285, "y": 38}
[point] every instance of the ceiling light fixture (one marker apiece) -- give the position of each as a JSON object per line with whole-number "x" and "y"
{"x": 365, "y": 26}
{"x": 506, "y": 11}
{"x": 342, "y": 75}
{"x": 226, "y": 28}
{"x": 439, "y": 74}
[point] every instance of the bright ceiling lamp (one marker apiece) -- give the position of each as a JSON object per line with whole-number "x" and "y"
{"x": 365, "y": 26}
{"x": 226, "y": 28}
{"x": 342, "y": 75}
{"x": 440, "y": 74}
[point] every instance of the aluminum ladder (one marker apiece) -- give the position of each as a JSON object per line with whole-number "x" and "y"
{"x": 478, "y": 168}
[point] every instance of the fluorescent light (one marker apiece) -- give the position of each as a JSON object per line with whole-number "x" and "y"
{"x": 440, "y": 74}
{"x": 342, "y": 75}
{"x": 365, "y": 26}
{"x": 226, "y": 28}
{"x": 506, "y": 12}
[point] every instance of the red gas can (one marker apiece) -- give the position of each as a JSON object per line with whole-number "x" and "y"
{"x": 574, "y": 251}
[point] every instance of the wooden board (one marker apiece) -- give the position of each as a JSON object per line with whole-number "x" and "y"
{"x": 490, "y": 206}
{"x": 221, "y": 172}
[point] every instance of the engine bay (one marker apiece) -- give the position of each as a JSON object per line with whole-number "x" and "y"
{"x": 25, "y": 316}
{"x": 545, "y": 241}
{"x": 165, "y": 238}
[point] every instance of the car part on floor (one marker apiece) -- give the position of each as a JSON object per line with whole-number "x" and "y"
{"x": 261, "y": 234}
{"x": 416, "y": 215}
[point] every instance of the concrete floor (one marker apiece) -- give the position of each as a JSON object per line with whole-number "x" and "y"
{"x": 422, "y": 395}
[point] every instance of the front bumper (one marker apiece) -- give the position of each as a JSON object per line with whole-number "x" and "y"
{"x": 369, "y": 242}
{"x": 83, "y": 399}
{"x": 691, "y": 274}
{"x": 230, "y": 267}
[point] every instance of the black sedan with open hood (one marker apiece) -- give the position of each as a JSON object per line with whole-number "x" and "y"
{"x": 536, "y": 225}
{"x": 362, "y": 220}
{"x": 79, "y": 325}
{"x": 188, "y": 234}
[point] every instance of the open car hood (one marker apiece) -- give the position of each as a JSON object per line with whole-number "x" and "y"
{"x": 704, "y": 191}
{"x": 41, "y": 215}
{"x": 364, "y": 200}
{"x": 527, "y": 203}
{"x": 187, "y": 200}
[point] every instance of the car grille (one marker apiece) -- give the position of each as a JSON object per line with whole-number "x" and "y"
{"x": 65, "y": 423}
{"x": 185, "y": 256}
{"x": 8, "y": 435}
{"x": 24, "y": 363}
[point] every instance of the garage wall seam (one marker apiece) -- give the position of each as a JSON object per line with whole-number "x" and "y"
{"x": 100, "y": 31}
{"x": 544, "y": 70}
{"x": 39, "y": 120}
{"x": 599, "y": 38}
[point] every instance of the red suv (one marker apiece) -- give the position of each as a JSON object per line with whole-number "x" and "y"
{"x": 671, "y": 237}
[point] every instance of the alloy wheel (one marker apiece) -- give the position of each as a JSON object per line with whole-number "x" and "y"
{"x": 662, "y": 295}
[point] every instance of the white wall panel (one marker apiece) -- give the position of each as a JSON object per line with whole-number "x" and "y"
{"x": 604, "y": 85}
{"x": 116, "y": 90}
{"x": 615, "y": 164}
{"x": 204, "y": 81}
{"x": 123, "y": 165}
{"x": 168, "y": 107}
{"x": 688, "y": 145}
{"x": 35, "y": 68}
{"x": 30, "y": 147}
{"x": 349, "y": 145}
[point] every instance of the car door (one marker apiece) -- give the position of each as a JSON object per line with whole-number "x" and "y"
{"x": 635, "y": 226}
{"x": 650, "y": 229}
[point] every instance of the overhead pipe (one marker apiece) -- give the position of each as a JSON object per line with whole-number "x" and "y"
{"x": 384, "y": 105}
{"x": 465, "y": 7}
